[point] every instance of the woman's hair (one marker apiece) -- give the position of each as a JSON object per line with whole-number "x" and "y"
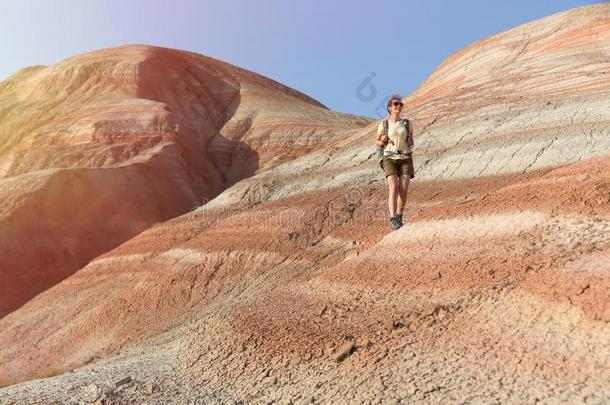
{"x": 394, "y": 97}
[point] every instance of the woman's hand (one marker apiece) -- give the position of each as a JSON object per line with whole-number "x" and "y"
{"x": 381, "y": 140}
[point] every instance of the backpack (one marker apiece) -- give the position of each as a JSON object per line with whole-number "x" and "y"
{"x": 381, "y": 148}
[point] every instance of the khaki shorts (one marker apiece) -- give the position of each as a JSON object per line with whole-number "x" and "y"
{"x": 398, "y": 166}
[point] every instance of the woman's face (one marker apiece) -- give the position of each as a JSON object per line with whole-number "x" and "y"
{"x": 395, "y": 106}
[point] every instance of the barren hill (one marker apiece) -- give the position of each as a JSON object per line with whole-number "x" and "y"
{"x": 101, "y": 146}
{"x": 287, "y": 285}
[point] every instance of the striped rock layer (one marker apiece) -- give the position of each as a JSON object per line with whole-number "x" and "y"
{"x": 101, "y": 146}
{"x": 287, "y": 285}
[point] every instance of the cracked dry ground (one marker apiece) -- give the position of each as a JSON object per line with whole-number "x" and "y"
{"x": 495, "y": 290}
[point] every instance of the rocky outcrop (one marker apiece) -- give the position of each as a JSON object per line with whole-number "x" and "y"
{"x": 99, "y": 147}
{"x": 292, "y": 289}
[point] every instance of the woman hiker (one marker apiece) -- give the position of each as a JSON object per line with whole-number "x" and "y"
{"x": 397, "y": 136}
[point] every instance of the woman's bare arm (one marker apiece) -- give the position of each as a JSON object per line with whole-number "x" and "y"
{"x": 381, "y": 138}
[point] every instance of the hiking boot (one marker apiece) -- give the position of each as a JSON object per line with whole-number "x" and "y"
{"x": 399, "y": 218}
{"x": 394, "y": 224}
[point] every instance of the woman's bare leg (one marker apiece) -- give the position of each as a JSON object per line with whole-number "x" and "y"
{"x": 403, "y": 187}
{"x": 393, "y": 193}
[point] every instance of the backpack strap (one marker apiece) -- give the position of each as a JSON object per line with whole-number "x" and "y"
{"x": 406, "y": 122}
{"x": 386, "y": 127}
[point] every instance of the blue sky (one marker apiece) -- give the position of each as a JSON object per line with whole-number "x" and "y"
{"x": 325, "y": 49}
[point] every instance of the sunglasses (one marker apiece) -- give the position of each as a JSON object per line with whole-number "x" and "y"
{"x": 395, "y": 103}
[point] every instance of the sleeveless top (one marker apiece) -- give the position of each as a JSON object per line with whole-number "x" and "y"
{"x": 397, "y": 134}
